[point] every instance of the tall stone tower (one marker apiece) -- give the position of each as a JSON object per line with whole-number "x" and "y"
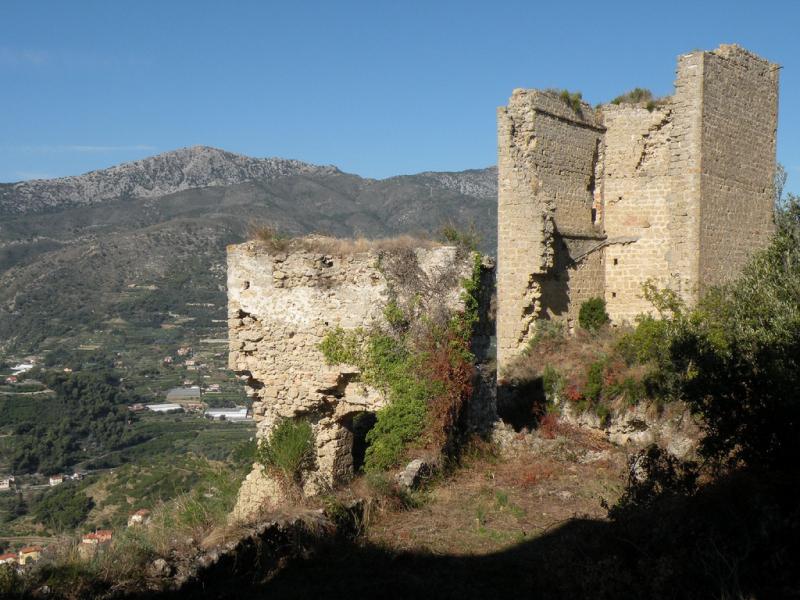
{"x": 594, "y": 202}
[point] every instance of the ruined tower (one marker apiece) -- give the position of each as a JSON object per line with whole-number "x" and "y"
{"x": 594, "y": 202}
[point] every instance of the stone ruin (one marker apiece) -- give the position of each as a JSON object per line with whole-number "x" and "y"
{"x": 593, "y": 202}
{"x": 281, "y": 305}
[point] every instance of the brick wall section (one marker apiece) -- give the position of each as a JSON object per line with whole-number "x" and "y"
{"x": 682, "y": 193}
{"x": 280, "y": 307}
{"x": 740, "y": 107}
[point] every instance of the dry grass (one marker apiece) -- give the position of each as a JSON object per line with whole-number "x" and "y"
{"x": 493, "y": 503}
{"x": 570, "y": 354}
{"x": 278, "y": 242}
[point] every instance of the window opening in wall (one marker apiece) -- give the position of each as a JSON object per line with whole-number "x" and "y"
{"x": 594, "y": 215}
{"x": 616, "y": 261}
{"x": 613, "y": 294}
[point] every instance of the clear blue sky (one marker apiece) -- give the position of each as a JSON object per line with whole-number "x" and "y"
{"x": 377, "y": 88}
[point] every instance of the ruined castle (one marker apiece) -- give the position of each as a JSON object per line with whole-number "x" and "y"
{"x": 593, "y": 202}
{"x": 280, "y": 307}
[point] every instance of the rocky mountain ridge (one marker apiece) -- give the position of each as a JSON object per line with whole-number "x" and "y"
{"x": 167, "y": 173}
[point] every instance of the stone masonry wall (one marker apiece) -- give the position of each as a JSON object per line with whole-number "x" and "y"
{"x": 547, "y": 154}
{"x": 636, "y": 186}
{"x": 280, "y": 306}
{"x": 740, "y": 107}
{"x": 684, "y": 168}
{"x": 599, "y": 202}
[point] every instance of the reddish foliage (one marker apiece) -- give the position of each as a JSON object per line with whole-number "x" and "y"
{"x": 548, "y": 426}
{"x": 449, "y": 363}
{"x": 573, "y": 393}
{"x": 535, "y": 474}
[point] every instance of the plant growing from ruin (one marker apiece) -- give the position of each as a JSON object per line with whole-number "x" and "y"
{"x": 289, "y": 448}
{"x": 273, "y": 239}
{"x": 572, "y": 99}
{"x": 426, "y": 376}
{"x": 463, "y": 238}
{"x": 553, "y": 383}
{"x": 546, "y": 330}
{"x": 395, "y": 316}
{"x": 592, "y": 315}
{"x": 635, "y": 96}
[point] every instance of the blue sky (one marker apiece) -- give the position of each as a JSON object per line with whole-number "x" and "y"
{"x": 376, "y": 88}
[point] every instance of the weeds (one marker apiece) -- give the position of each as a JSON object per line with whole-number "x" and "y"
{"x": 289, "y": 448}
{"x": 276, "y": 241}
{"x": 635, "y": 96}
{"x": 391, "y": 495}
{"x": 572, "y": 99}
{"x": 468, "y": 239}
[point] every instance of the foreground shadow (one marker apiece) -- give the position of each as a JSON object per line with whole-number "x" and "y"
{"x": 736, "y": 538}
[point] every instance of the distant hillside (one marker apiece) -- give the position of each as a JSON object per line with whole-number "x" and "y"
{"x": 72, "y": 249}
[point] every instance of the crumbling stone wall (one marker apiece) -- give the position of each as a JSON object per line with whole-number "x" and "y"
{"x": 596, "y": 202}
{"x": 547, "y": 159}
{"x": 281, "y": 305}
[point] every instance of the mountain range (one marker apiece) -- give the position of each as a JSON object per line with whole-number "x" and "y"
{"x": 72, "y": 248}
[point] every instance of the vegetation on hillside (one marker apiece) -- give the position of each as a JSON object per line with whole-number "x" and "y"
{"x": 87, "y": 413}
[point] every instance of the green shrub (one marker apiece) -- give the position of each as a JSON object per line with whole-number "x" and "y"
{"x": 552, "y": 382}
{"x": 9, "y": 581}
{"x": 342, "y": 347}
{"x": 603, "y": 413}
{"x": 593, "y": 390}
{"x": 634, "y": 390}
{"x": 395, "y": 316}
{"x": 289, "y": 448}
{"x": 467, "y": 239}
{"x": 546, "y": 330}
{"x": 646, "y": 343}
{"x": 592, "y": 315}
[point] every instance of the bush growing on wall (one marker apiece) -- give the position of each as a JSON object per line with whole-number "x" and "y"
{"x": 592, "y": 315}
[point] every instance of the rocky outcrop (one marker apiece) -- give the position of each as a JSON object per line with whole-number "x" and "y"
{"x": 672, "y": 427}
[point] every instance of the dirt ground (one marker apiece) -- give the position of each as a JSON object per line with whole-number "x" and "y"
{"x": 496, "y": 500}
